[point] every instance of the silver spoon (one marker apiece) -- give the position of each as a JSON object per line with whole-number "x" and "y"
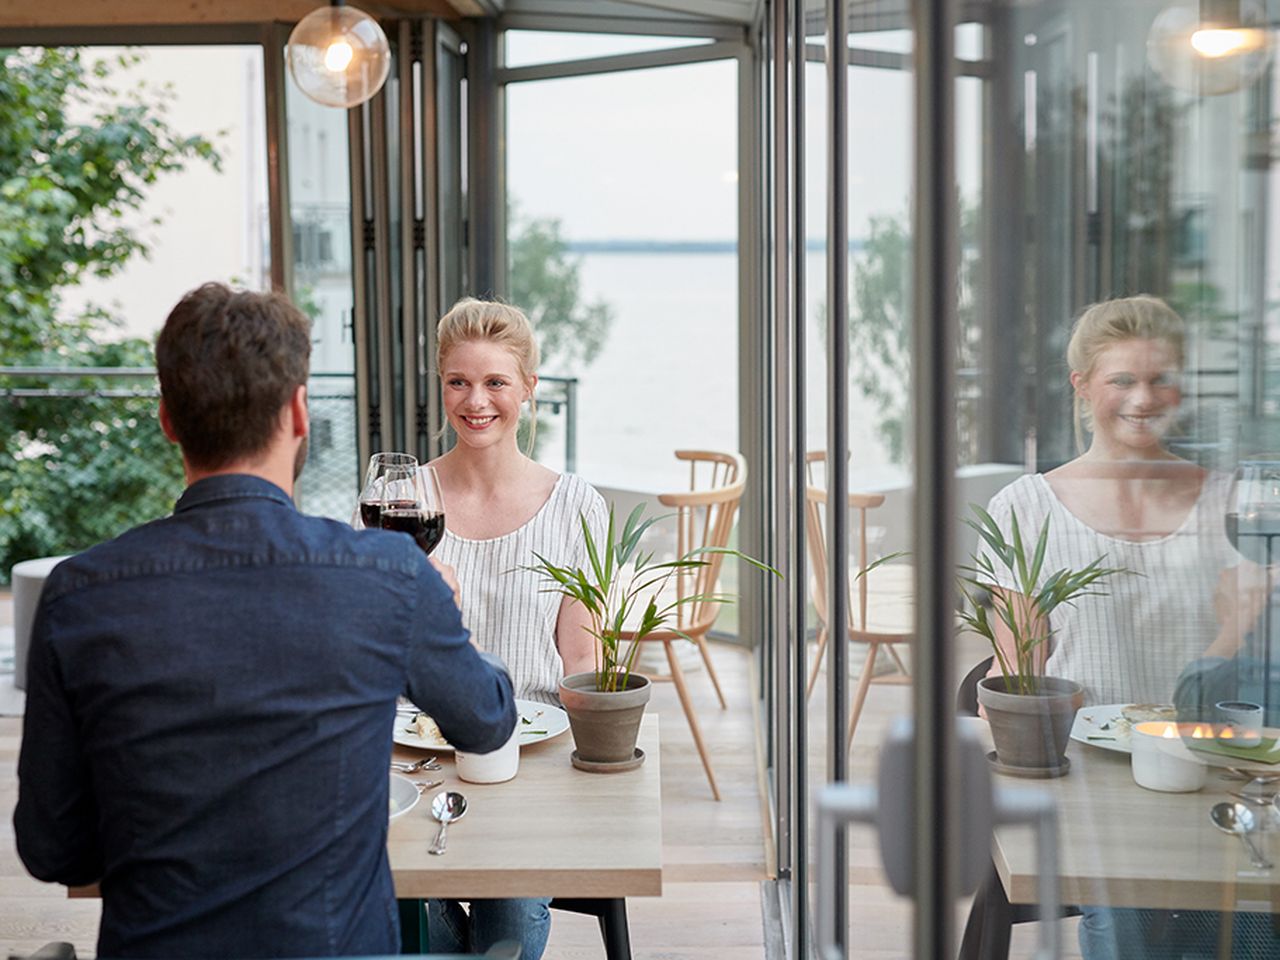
{"x": 1238, "y": 819}
{"x": 446, "y": 806}
{"x": 1251, "y": 776}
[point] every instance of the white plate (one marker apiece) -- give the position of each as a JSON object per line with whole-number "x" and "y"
{"x": 404, "y": 795}
{"x": 538, "y": 722}
{"x": 1101, "y": 722}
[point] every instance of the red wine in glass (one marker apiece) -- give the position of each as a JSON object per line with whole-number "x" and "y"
{"x": 371, "y": 510}
{"x": 427, "y": 529}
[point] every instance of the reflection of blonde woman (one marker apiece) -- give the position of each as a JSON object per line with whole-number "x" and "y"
{"x": 1128, "y": 498}
{"x": 500, "y": 508}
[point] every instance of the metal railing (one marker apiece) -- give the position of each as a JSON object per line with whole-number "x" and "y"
{"x": 329, "y": 483}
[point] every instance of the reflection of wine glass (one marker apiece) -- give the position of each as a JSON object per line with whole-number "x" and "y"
{"x": 399, "y": 466}
{"x": 1252, "y": 525}
{"x": 1252, "y": 521}
{"x": 412, "y": 503}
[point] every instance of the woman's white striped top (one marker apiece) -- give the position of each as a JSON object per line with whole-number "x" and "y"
{"x": 1128, "y": 646}
{"x": 503, "y": 606}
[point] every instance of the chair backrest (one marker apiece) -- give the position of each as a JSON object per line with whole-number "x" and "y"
{"x": 816, "y": 542}
{"x": 705, "y": 515}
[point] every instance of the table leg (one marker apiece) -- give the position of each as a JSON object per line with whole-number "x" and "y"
{"x": 612, "y": 917}
{"x": 413, "y": 926}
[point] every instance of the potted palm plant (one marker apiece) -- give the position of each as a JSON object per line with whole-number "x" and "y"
{"x": 621, "y": 588}
{"x": 1030, "y": 713}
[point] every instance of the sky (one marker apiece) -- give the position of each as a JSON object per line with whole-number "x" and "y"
{"x": 652, "y": 153}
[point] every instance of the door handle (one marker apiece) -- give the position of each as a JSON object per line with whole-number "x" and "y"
{"x": 985, "y": 806}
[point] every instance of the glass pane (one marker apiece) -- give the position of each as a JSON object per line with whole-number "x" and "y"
{"x": 527, "y": 47}
{"x": 623, "y": 250}
{"x": 1134, "y": 175}
{"x": 132, "y": 179}
{"x": 320, "y": 212}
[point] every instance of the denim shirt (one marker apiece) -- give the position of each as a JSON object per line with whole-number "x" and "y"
{"x": 208, "y": 725}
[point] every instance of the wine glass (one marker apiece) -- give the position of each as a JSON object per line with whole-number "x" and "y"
{"x": 383, "y": 467}
{"x": 1253, "y": 509}
{"x": 412, "y": 503}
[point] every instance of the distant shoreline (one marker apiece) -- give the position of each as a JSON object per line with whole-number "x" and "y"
{"x": 813, "y": 245}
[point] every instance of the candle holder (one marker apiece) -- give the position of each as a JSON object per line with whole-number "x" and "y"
{"x": 1163, "y": 762}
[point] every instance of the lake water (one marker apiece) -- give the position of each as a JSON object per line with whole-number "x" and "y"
{"x": 667, "y": 377}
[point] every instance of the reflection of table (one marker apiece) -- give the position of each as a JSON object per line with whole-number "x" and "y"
{"x": 1123, "y": 846}
{"x": 552, "y": 831}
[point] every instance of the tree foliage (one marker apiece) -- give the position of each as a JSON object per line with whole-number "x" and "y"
{"x": 544, "y": 282}
{"x": 880, "y": 327}
{"x": 78, "y": 155}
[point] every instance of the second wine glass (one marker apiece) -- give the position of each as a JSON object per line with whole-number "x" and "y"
{"x": 412, "y": 503}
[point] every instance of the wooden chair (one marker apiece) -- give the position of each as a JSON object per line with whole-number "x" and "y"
{"x": 881, "y": 614}
{"x": 705, "y": 516}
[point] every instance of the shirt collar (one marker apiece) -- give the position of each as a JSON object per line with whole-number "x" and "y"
{"x": 230, "y": 486}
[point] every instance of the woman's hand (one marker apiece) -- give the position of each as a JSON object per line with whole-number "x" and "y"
{"x": 449, "y": 576}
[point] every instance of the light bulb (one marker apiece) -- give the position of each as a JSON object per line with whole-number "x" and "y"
{"x": 1206, "y": 58}
{"x": 339, "y": 56}
{"x": 1224, "y": 41}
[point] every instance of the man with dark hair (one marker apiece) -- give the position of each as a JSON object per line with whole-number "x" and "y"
{"x": 211, "y": 695}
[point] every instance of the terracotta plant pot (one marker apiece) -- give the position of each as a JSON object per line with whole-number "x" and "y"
{"x": 1031, "y": 730}
{"x": 605, "y": 725}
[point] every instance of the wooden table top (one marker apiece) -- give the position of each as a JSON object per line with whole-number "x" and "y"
{"x": 552, "y": 831}
{"x": 1122, "y": 845}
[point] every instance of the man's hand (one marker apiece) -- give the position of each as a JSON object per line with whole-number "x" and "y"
{"x": 449, "y": 576}
{"x": 1238, "y": 601}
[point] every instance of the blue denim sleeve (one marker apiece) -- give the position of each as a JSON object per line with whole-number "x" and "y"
{"x": 55, "y": 821}
{"x": 470, "y": 699}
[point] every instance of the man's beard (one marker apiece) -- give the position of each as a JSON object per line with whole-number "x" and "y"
{"x": 300, "y": 459}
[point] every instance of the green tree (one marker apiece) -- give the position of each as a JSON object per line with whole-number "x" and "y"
{"x": 880, "y": 321}
{"x": 78, "y": 155}
{"x": 544, "y": 281}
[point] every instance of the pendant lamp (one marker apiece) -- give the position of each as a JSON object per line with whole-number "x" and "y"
{"x": 338, "y": 55}
{"x": 1211, "y": 47}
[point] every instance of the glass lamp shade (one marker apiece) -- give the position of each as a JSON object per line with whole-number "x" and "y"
{"x": 1207, "y": 58}
{"x": 338, "y": 56}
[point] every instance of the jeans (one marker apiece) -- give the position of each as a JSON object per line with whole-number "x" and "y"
{"x": 451, "y": 930}
{"x": 1128, "y": 934}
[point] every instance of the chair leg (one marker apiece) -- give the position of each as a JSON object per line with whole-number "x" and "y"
{"x": 864, "y": 681}
{"x": 677, "y": 677}
{"x": 897, "y": 659}
{"x": 711, "y": 670}
{"x": 817, "y": 660}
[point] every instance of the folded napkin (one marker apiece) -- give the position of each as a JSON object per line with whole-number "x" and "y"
{"x": 1265, "y": 752}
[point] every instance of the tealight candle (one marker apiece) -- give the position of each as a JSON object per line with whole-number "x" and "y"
{"x": 1243, "y": 721}
{"x": 1161, "y": 761}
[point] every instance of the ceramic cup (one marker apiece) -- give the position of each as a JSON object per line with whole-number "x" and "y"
{"x": 494, "y": 767}
{"x": 1161, "y": 761}
{"x": 1244, "y": 719}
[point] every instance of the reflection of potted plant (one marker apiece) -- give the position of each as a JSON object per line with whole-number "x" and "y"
{"x": 620, "y": 588}
{"x": 1030, "y": 714}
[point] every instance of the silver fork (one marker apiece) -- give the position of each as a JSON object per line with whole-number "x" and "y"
{"x": 413, "y": 766}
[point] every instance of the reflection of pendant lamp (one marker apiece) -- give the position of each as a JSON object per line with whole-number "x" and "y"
{"x": 338, "y": 55}
{"x": 1216, "y": 46}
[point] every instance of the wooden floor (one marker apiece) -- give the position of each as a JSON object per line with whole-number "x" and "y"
{"x": 715, "y": 855}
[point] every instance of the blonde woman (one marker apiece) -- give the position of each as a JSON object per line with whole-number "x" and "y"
{"x": 500, "y": 508}
{"x": 1128, "y": 497}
